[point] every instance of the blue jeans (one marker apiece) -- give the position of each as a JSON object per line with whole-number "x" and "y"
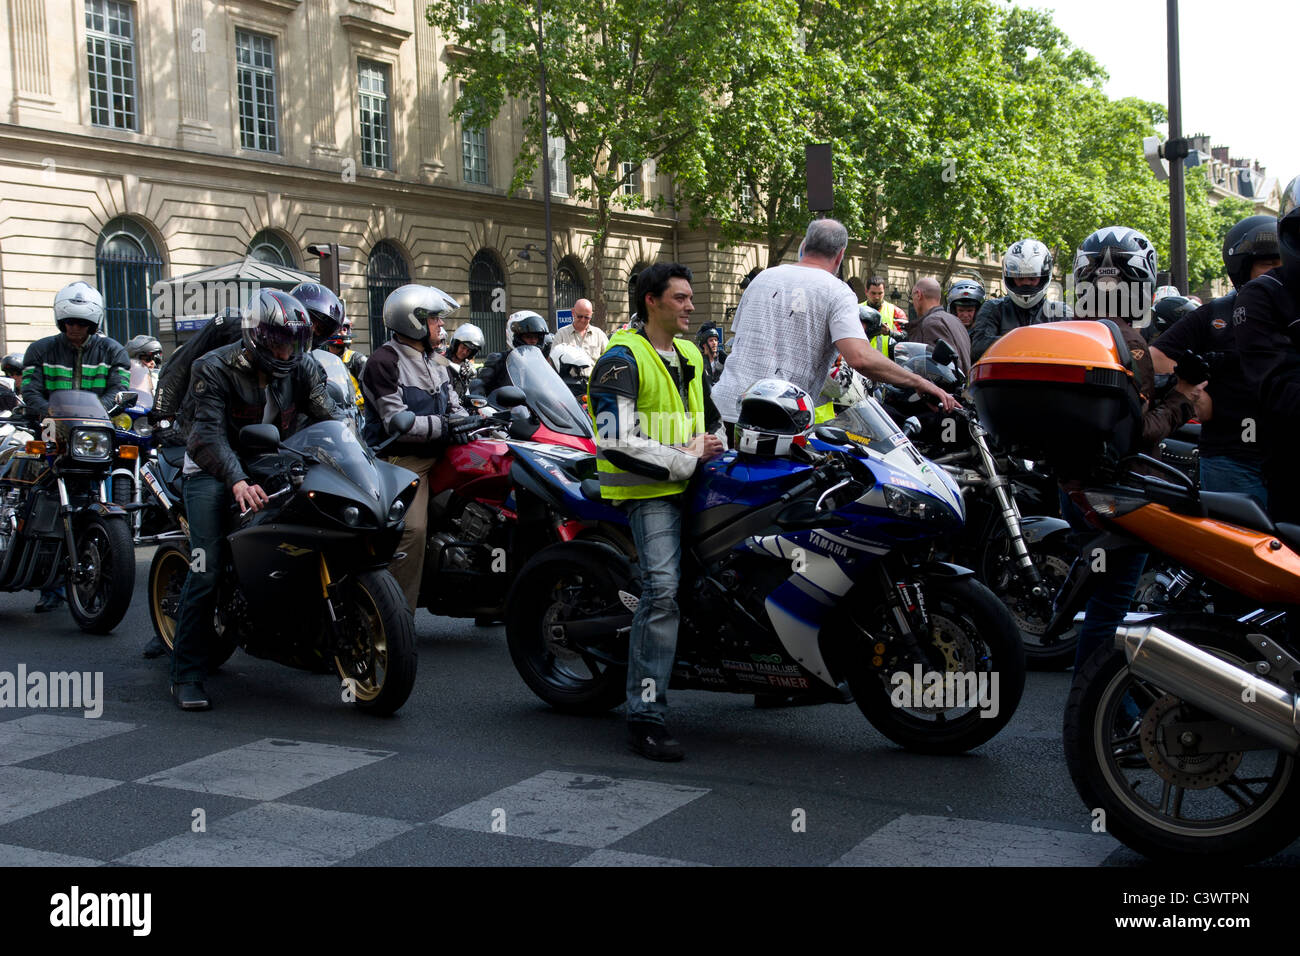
{"x": 1241, "y": 476}
{"x": 1113, "y": 589}
{"x": 206, "y": 501}
{"x": 657, "y": 531}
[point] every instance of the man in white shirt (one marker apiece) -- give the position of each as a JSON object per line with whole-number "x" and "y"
{"x": 793, "y": 319}
{"x": 582, "y": 333}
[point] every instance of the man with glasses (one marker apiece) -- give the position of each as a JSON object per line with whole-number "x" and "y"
{"x": 582, "y": 333}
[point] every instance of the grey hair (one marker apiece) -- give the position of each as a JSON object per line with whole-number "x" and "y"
{"x": 826, "y": 238}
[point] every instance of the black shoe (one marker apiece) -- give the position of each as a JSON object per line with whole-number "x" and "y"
{"x": 155, "y": 648}
{"x": 653, "y": 740}
{"x": 50, "y": 601}
{"x": 190, "y": 696}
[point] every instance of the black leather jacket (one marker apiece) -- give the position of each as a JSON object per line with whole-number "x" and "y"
{"x": 227, "y": 392}
{"x": 997, "y": 317}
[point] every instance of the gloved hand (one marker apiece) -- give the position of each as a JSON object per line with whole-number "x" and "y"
{"x": 457, "y": 429}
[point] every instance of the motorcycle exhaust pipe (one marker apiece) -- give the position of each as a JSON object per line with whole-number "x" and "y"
{"x": 1231, "y": 693}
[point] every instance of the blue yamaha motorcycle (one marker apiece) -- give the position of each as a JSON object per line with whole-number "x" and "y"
{"x": 810, "y": 577}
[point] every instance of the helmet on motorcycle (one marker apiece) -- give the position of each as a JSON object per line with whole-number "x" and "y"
{"x": 144, "y": 347}
{"x": 1255, "y": 237}
{"x": 872, "y": 323}
{"x": 965, "y": 292}
{"x": 1027, "y": 259}
{"x": 1169, "y": 310}
{"x": 408, "y": 309}
{"x": 775, "y": 415}
{"x": 526, "y": 322}
{"x": 1288, "y": 233}
{"x": 469, "y": 335}
{"x": 1114, "y": 274}
{"x": 323, "y": 307}
{"x": 948, "y": 377}
{"x": 343, "y": 337}
{"x": 572, "y": 362}
{"x": 81, "y": 303}
{"x": 12, "y": 365}
{"x": 1164, "y": 292}
{"x": 274, "y": 322}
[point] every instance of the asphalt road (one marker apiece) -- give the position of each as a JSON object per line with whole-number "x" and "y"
{"x": 475, "y": 770}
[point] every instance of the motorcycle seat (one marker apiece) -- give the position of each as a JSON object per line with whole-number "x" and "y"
{"x": 1290, "y": 535}
{"x": 1189, "y": 432}
{"x": 591, "y": 489}
{"x": 1237, "y": 509}
{"x": 174, "y": 455}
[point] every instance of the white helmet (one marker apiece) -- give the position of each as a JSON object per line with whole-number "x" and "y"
{"x": 80, "y": 301}
{"x": 469, "y": 334}
{"x": 1164, "y": 292}
{"x": 774, "y": 416}
{"x": 573, "y": 363}
{"x": 1027, "y": 259}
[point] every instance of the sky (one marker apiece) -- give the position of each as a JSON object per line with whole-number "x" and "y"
{"x": 1231, "y": 54}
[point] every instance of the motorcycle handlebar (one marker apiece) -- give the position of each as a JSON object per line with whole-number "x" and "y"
{"x": 269, "y": 498}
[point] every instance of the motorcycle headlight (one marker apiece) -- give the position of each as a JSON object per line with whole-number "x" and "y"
{"x": 396, "y": 511}
{"x": 144, "y": 429}
{"x": 91, "y": 444}
{"x": 915, "y": 505}
{"x": 122, "y": 421}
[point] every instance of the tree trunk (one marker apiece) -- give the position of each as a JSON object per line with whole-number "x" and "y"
{"x": 952, "y": 264}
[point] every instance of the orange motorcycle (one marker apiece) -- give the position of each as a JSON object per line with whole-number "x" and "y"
{"x": 1185, "y": 734}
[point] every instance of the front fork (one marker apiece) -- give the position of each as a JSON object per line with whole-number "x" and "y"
{"x": 76, "y": 574}
{"x": 1001, "y": 487}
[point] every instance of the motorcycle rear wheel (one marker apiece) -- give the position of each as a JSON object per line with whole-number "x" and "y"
{"x": 106, "y": 555}
{"x": 1245, "y": 805}
{"x": 167, "y": 573}
{"x": 380, "y": 670}
{"x": 971, "y": 631}
{"x": 559, "y": 583}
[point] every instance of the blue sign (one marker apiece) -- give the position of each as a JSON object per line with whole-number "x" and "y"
{"x": 563, "y": 317}
{"x": 191, "y": 325}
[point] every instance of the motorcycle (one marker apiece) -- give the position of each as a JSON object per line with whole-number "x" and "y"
{"x": 1183, "y": 733}
{"x": 809, "y": 576}
{"x": 56, "y": 525}
{"x": 305, "y": 581}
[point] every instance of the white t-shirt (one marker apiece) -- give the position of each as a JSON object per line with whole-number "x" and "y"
{"x": 786, "y": 327}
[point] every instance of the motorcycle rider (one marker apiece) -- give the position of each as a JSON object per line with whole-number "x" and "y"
{"x": 1026, "y": 272}
{"x": 1114, "y": 278}
{"x": 406, "y": 372}
{"x": 892, "y": 317}
{"x": 935, "y": 324}
{"x": 655, "y": 422}
{"x": 706, "y": 340}
{"x": 11, "y": 381}
{"x": 965, "y": 296}
{"x": 146, "y": 355}
{"x": 1228, "y": 461}
{"x": 1264, "y": 318}
{"x": 340, "y": 344}
{"x": 466, "y": 342}
{"x": 322, "y": 305}
{"x": 524, "y": 327}
{"x": 75, "y": 358}
{"x": 266, "y": 377}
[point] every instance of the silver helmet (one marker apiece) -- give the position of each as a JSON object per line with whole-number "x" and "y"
{"x": 1027, "y": 259}
{"x": 408, "y": 308}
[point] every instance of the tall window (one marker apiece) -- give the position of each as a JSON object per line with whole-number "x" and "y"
{"x": 372, "y": 89}
{"x": 127, "y": 265}
{"x": 473, "y": 148}
{"x": 385, "y": 272}
{"x": 267, "y": 246}
{"x": 556, "y": 156}
{"x": 631, "y": 185}
{"x": 110, "y": 51}
{"x": 255, "y": 56}
{"x": 487, "y": 299}
{"x": 569, "y": 287}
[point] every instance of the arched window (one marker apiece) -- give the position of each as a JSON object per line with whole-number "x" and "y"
{"x": 487, "y": 299}
{"x": 127, "y": 265}
{"x": 385, "y": 272}
{"x": 267, "y": 246}
{"x": 569, "y": 287}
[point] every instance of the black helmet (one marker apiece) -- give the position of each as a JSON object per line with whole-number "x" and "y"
{"x": 965, "y": 292}
{"x": 526, "y": 322}
{"x": 706, "y": 332}
{"x": 1169, "y": 310}
{"x": 1288, "y": 233}
{"x": 872, "y": 323}
{"x": 323, "y": 307}
{"x": 1114, "y": 255}
{"x": 774, "y": 416}
{"x": 1255, "y": 237}
{"x": 12, "y": 365}
{"x": 275, "y": 319}
{"x": 948, "y": 377}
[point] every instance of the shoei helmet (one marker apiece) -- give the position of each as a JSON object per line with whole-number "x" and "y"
{"x": 1114, "y": 259}
{"x": 1027, "y": 259}
{"x": 80, "y": 302}
{"x": 774, "y": 416}
{"x": 271, "y": 321}
{"x": 323, "y": 308}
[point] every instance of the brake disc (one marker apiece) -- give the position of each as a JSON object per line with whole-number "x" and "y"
{"x": 1191, "y": 771}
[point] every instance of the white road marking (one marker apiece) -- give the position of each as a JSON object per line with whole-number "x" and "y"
{"x": 24, "y": 792}
{"x": 25, "y": 856}
{"x": 946, "y": 841}
{"x": 42, "y": 734}
{"x": 617, "y": 858}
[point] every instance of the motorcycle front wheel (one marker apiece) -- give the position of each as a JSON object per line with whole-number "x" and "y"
{"x": 971, "y": 665}
{"x": 103, "y": 575}
{"x": 377, "y": 662}
{"x": 1126, "y": 751}
{"x": 1043, "y": 652}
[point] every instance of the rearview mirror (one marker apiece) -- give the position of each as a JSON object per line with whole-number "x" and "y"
{"x": 832, "y": 434}
{"x": 943, "y": 353}
{"x": 401, "y": 423}
{"x": 126, "y": 399}
{"x": 508, "y": 396}
{"x": 260, "y": 438}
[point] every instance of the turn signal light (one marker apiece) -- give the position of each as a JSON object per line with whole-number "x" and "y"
{"x": 879, "y": 648}
{"x": 877, "y": 661}
{"x": 128, "y": 452}
{"x": 36, "y": 448}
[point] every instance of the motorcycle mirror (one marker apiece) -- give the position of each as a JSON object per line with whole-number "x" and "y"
{"x": 260, "y": 438}
{"x": 126, "y": 399}
{"x": 507, "y": 396}
{"x": 832, "y": 435}
{"x": 943, "y": 353}
{"x": 401, "y": 423}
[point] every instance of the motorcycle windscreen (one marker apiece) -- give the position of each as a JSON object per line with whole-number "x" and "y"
{"x": 548, "y": 396}
{"x": 335, "y": 444}
{"x": 869, "y": 424}
{"x": 337, "y": 377}
{"x": 72, "y": 403}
